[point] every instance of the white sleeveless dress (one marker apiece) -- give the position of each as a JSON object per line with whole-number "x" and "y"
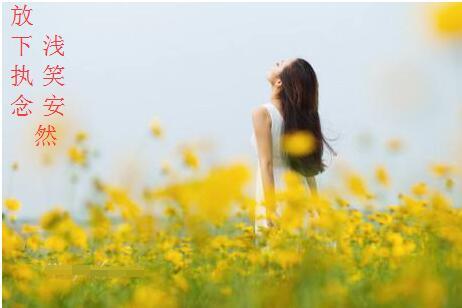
{"x": 279, "y": 168}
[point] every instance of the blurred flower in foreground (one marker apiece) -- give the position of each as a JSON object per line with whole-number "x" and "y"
{"x": 442, "y": 170}
{"x": 151, "y": 296}
{"x": 449, "y": 184}
{"x": 77, "y": 155}
{"x": 420, "y": 189}
{"x": 197, "y": 245}
{"x": 190, "y": 158}
{"x": 166, "y": 168}
{"x": 156, "y": 128}
{"x": 81, "y": 136}
{"x": 12, "y": 204}
{"x": 357, "y": 186}
{"x": 394, "y": 145}
{"x": 381, "y": 174}
{"x": 206, "y": 248}
{"x": 15, "y": 166}
{"x": 298, "y": 143}
{"x": 448, "y": 19}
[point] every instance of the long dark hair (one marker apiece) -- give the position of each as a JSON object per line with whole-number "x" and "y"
{"x": 299, "y": 98}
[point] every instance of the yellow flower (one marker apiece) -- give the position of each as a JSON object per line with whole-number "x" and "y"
{"x": 6, "y": 294}
{"x": 420, "y": 189}
{"x": 449, "y": 184}
{"x": 287, "y": 258}
{"x": 441, "y": 170}
{"x": 77, "y": 155}
{"x": 81, "y": 136}
{"x": 381, "y": 218}
{"x": 355, "y": 277}
{"x": 448, "y": 19}
{"x": 21, "y": 272}
{"x": 156, "y": 128}
{"x": 15, "y": 166}
{"x": 298, "y": 143}
{"x": 181, "y": 282}
{"x": 394, "y": 145}
{"x": 12, "y": 243}
{"x": 33, "y": 242}
{"x": 29, "y": 228}
{"x": 342, "y": 202}
{"x": 78, "y": 237}
{"x": 55, "y": 243}
{"x": 52, "y": 218}
{"x": 175, "y": 257}
{"x": 357, "y": 186}
{"x": 190, "y": 158}
{"x": 394, "y": 238}
{"x": 217, "y": 273}
{"x": 52, "y": 287}
{"x": 440, "y": 202}
{"x": 151, "y": 296}
{"x": 170, "y": 211}
{"x": 12, "y": 204}
{"x": 381, "y": 174}
{"x": 109, "y": 206}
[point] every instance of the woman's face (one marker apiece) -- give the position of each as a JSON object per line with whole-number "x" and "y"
{"x": 275, "y": 71}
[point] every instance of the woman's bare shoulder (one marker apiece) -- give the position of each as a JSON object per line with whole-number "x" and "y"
{"x": 260, "y": 114}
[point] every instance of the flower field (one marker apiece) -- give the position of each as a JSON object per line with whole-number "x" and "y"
{"x": 334, "y": 249}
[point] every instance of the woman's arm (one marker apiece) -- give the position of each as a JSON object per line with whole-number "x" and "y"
{"x": 312, "y": 184}
{"x": 262, "y": 127}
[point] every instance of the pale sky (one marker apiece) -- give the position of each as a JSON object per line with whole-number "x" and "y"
{"x": 200, "y": 69}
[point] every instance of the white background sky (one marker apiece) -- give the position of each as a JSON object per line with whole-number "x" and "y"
{"x": 200, "y": 68}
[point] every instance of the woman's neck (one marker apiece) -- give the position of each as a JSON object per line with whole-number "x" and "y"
{"x": 276, "y": 101}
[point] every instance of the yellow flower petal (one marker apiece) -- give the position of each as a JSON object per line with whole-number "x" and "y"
{"x": 298, "y": 143}
{"x": 12, "y": 204}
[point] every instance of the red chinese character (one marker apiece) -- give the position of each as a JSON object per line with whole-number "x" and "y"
{"x": 19, "y": 75}
{"x": 53, "y": 72}
{"x": 19, "y": 14}
{"x": 53, "y": 107}
{"x": 21, "y": 104}
{"x": 21, "y": 42}
{"x": 57, "y": 44}
{"x": 45, "y": 134}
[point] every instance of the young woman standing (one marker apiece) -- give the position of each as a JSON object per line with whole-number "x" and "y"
{"x": 293, "y": 107}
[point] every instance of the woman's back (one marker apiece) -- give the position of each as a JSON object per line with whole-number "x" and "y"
{"x": 276, "y": 132}
{"x": 279, "y": 166}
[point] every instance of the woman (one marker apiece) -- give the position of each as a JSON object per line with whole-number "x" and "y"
{"x": 293, "y": 108}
